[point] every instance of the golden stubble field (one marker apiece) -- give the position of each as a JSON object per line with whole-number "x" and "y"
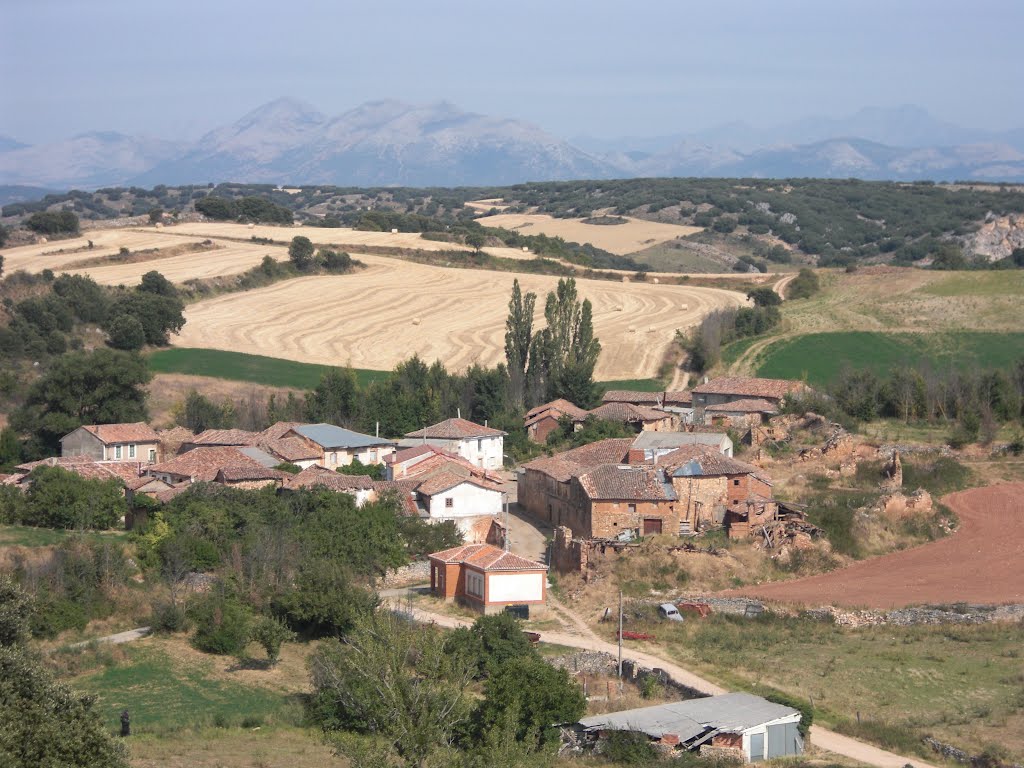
{"x": 633, "y": 236}
{"x": 380, "y": 316}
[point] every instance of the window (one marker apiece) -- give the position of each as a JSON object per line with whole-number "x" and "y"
{"x": 631, "y": 508}
{"x": 449, "y": 503}
{"x": 131, "y": 451}
{"x": 152, "y": 454}
{"x": 736, "y": 481}
{"x": 117, "y": 451}
{"x": 475, "y": 584}
{"x": 334, "y": 458}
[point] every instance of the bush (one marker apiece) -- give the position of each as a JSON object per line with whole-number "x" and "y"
{"x": 126, "y": 332}
{"x": 168, "y": 617}
{"x": 804, "y": 285}
{"x": 222, "y": 624}
{"x": 628, "y": 748}
{"x": 57, "y": 614}
{"x": 271, "y": 634}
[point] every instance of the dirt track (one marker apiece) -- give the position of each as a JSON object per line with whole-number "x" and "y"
{"x": 381, "y": 315}
{"x": 981, "y": 563}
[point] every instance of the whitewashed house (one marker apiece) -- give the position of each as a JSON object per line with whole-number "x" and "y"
{"x": 480, "y": 445}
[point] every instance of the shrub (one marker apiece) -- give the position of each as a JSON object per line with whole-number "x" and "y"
{"x": 57, "y": 614}
{"x": 271, "y": 634}
{"x": 168, "y": 617}
{"x": 222, "y": 624}
{"x": 628, "y": 748}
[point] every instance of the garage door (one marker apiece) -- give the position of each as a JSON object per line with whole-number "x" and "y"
{"x": 784, "y": 740}
{"x": 652, "y": 526}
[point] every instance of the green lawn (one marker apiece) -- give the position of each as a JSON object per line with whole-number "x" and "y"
{"x": 236, "y": 366}
{"x": 818, "y": 357}
{"x": 26, "y": 536}
{"x": 165, "y": 691}
{"x": 996, "y": 283}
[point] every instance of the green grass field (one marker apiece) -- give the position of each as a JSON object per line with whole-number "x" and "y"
{"x": 276, "y": 372}
{"x": 818, "y": 357}
{"x": 999, "y": 283}
{"x": 26, "y": 536}
{"x": 166, "y": 690}
{"x": 236, "y": 366}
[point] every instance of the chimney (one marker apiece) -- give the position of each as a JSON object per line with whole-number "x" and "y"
{"x": 378, "y": 429}
{"x": 458, "y": 413}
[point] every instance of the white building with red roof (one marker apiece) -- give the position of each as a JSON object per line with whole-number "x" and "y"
{"x": 480, "y": 445}
{"x": 488, "y": 579}
{"x": 112, "y": 442}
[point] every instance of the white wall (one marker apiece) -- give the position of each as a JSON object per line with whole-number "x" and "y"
{"x": 468, "y": 500}
{"x": 515, "y": 587}
{"x": 763, "y": 730}
{"x": 483, "y": 452}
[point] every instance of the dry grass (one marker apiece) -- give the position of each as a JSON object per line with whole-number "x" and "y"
{"x": 621, "y": 239}
{"x": 381, "y": 315}
{"x": 278, "y": 747}
{"x": 340, "y": 236}
{"x": 59, "y": 254}
{"x": 167, "y": 390}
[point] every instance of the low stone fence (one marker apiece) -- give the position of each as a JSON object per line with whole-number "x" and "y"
{"x": 413, "y": 573}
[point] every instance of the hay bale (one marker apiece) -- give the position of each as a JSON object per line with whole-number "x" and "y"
{"x": 684, "y": 307}
{"x": 394, "y": 231}
{"x": 632, "y": 329}
{"x": 655, "y": 281}
{"x": 415, "y": 321}
{"x": 252, "y": 226}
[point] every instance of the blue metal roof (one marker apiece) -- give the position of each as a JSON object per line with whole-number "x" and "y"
{"x": 330, "y": 436}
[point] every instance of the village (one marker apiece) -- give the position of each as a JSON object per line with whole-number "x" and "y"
{"x": 675, "y": 483}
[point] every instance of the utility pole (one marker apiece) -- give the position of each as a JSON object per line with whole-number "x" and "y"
{"x": 620, "y": 638}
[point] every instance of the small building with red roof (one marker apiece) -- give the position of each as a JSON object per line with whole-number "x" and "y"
{"x": 480, "y": 445}
{"x": 488, "y": 579}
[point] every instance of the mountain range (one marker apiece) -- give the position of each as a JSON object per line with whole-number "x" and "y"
{"x": 384, "y": 143}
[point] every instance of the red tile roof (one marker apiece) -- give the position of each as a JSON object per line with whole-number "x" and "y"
{"x": 202, "y": 464}
{"x": 403, "y": 490}
{"x": 707, "y": 460}
{"x": 405, "y": 454}
{"x": 240, "y": 472}
{"x": 628, "y": 413}
{"x": 745, "y": 405}
{"x": 83, "y": 466}
{"x": 487, "y": 558}
{"x": 172, "y": 439}
{"x": 561, "y": 406}
{"x": 137, "y": 432}
{"x": 611, "y": 482}
{"x": 278, "y": 429}
{"x": 289, "y": 448}
{"x": 678, "y": 397}
{"x": 455, "y": 429}
{"x": 446, "y": 480}
{"x": 776, "y": 389}
{"x": 564, "y": 465}
{"x": 630, "y": 396}
{"x": 225, "y": 437}
{"x": 321, "y": 477}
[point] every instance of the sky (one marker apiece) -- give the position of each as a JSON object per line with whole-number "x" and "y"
{"x": 633, "y": 67}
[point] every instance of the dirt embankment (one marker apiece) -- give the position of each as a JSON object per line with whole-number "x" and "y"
{"x": 980, "y": 563}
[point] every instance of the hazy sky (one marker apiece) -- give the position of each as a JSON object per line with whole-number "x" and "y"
{"x": 176, "y": 69}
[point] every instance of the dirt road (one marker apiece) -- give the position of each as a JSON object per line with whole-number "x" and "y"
{"x": 980, "y": 563}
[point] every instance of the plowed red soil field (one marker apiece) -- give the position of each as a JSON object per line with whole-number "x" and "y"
{"x": 983, "y": 562}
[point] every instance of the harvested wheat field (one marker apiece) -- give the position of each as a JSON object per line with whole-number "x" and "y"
{"x": 381, "y": 315}
{"x": 635, "y": 235}
{"x": 57, "y": 254}
{"x": 980, "y": 563}
{"x": 338, "y": 236}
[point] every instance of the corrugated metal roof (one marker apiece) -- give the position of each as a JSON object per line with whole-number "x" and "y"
{"x": 330, "y": 436}
{"x": 730, "y": 712}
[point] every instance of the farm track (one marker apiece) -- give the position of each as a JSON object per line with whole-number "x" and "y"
{"x": 977, "y": 564}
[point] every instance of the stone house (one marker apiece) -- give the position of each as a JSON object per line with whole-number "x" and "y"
{"x": 740, "y": 414}
{"x": 136, "y": 442}
{"x": 638, "y": 417}
{"x": 219, "y": 438}
{"x": 593, "y": 491}
{"x": 250, "y": 476}
{"x": 487, "y": 579}
{"x": 360, "y": 487}
{"x": 204, "y": 463}
{"x": 544, "y": 419}
{"x": 651, "y": 446}
{"x": 729, "y": 389}
{"x": 679, "y": 402}
{"x": 712, "y": 489}
{"x": 480, "y": 445}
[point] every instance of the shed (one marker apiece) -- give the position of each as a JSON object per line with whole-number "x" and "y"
{"x": 750, "y": 726}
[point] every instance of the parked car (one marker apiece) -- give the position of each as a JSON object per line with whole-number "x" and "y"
{"x": 669, "y": 611}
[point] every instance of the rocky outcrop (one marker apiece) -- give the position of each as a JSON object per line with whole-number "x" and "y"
{"x": 996, "y": 238}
